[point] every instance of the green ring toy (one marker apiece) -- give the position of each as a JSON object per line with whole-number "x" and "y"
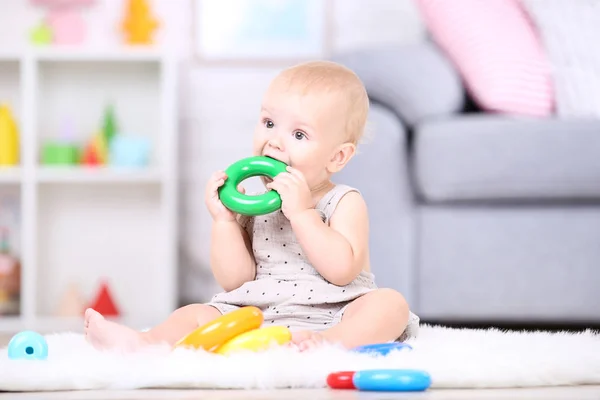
{"x": 246, "y": 168}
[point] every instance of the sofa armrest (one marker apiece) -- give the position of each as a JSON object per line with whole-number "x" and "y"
{"x": 380, "y": 172}
{"x": 415, "y": 81}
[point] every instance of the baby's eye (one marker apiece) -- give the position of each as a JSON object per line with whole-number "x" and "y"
{"x": 299, "y": 135}
{"x": 269, "y": 124}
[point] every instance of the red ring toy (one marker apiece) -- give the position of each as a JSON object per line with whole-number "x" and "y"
{"x": 341, "y": 380}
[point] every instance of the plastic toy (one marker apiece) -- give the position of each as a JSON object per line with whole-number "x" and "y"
{"x": 57, "y": 153}
{"x": 216, "y": 333}
{"x": 68, "y": 27}
{"x": 101, "y": 146}
{"x": 109, "y": 124}
{"x": 236, "y": 331}
{"x": 129, "y": 151}
{"x": 139, "y": 24}
{"x": 103, "y": 303}
{"x": 9, "y": 137}
{"x": 256, "y": 339}
{"x": 392, "y": 380}
{"x": 248, "y": 167}
{"x": 72, "y": 304}
{"x": 41, "y": 34}
{"x": 63, "y": 23}
{"x": 28, "y": 345}
{"x": 96, "y": 151}
{"x": 341, "y": 380}
{"x": 382, "y": 348}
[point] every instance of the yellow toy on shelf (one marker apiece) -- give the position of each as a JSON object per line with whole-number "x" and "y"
{"x": 139, "y": 24}
{"x": 9, "y": 137}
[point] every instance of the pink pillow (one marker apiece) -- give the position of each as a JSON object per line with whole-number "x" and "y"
{"x": 496, "y": 50}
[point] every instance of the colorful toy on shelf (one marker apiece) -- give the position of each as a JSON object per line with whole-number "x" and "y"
{"x": 62, "y": 150}
{"x": 101, "y": 146}
{"x": 72, "y": 304}
{"x": 104, "y": 303}
{"x": 109, "y": 124}
{"x": 9, "y": 137}
{"x": 236, "y": 331}
{"x": 10, "y": 277}
{"x": 28, "y": 345}
{"x": 63, "y": 24}
{"x": 139, "y": 24}
{"x": 41, "y": 34}
{"x": 59, "y": 153}
{"x": 129, "y": 151}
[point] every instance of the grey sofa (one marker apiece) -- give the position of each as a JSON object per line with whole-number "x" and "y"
{"x": 475, "y": 216}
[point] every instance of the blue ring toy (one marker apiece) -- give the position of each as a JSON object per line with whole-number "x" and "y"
{"x": 382, "y": 348}
{"x": 392, "y": 380}
{"x": 27, "y": 345}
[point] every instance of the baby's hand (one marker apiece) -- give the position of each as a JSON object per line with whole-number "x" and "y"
{"x": 216, "y": 208}
{"x": 294, "y": 192}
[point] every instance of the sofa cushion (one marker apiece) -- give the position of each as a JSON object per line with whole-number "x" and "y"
{"x": 394, "y": 76}
{"x": 565, "y": 28}
{"x": 485, "y": 157}
{"x": 497, "y": 51}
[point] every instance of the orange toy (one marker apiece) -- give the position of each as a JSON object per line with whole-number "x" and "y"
{"x": 212, "y": 335}
{"x": 139, "y": 24}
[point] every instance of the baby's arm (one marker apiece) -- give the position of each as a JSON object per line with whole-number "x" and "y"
{"x": 338, "y": 251}
{"x": 231, "y": 257}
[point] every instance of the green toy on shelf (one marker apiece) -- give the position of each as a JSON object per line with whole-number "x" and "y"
{"x": 109, "y": 124}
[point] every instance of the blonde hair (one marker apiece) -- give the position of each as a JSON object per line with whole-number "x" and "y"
{"x": 331, "y": 77}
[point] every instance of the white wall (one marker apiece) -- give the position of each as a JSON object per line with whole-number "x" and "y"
{"x": 218, "y": 103}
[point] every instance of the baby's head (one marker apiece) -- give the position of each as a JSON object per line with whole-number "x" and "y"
{"x": 312, "y": 118}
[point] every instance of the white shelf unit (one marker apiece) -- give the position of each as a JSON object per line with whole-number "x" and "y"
{"x": 81, "y": 224}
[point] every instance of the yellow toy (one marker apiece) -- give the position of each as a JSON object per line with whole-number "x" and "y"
{"x": 236, "y": 331}
{"x": 256, "y": 339}
{"x": 99, "y": 143}
{"x": 139, "y": 24}
{"x": 9, "y": 137}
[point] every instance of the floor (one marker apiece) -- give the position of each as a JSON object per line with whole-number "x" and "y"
{"x": 580, "y": 393}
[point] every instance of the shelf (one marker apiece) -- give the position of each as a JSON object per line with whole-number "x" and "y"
{"x": 77, "y": 54}
{"x": 12, "y": 56}
{"x": 79, "y": 224}
{"x": 10, "y": 174}
{"x": 98, "y": 175}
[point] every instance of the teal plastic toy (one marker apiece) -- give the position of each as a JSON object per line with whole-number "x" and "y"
{"x": 246, "y": 168}
{"x": 28, "y": 345}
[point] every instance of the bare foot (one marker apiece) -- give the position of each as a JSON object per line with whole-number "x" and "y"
{"x": 307, "y": 340}
{"x": 103, "y": 334}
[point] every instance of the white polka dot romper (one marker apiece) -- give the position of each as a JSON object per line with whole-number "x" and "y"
{"x": 288, "y": 290}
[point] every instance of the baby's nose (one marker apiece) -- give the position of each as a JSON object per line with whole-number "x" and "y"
{"x": 275, "y": 143}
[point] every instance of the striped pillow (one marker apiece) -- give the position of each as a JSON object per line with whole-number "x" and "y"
{"x": 496, "y": 50}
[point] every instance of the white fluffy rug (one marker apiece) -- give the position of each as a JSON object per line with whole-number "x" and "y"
{"x": 455, "y": 358}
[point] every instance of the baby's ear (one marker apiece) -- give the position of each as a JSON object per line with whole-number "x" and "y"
{"x": 342, "y": 155}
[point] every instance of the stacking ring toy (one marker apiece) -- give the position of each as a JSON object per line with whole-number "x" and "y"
{"x": 341, "y": 380}
{"x": 256, "y": 340}
{"x": 392, "y": 380}
{"x": 222, "y": 329}
{"x": 382, "y": 348}
{"x": 28, "y": 345}
{"x": 243, "y": 169}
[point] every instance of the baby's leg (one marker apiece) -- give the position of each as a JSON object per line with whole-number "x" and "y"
{"x": 376, "y": 317}
{"x": 104, "y": 334}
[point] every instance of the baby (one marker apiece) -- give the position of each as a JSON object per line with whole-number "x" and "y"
{"x": 305, "y": 266}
